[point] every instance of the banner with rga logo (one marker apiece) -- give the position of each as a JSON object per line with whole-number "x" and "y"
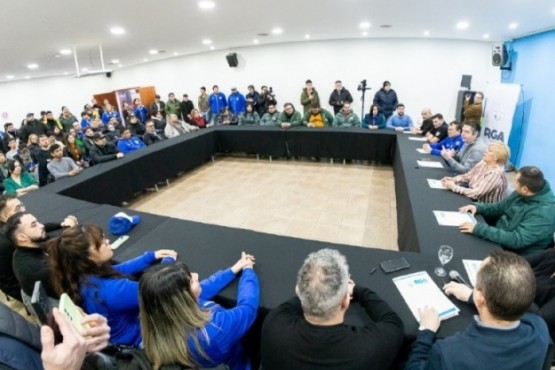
{"x": 499, "y": 109}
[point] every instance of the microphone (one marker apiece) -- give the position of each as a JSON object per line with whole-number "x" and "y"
{"x": 455, "y": 276}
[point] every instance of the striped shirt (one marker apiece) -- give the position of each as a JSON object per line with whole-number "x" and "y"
{"x": 485, "y": 184}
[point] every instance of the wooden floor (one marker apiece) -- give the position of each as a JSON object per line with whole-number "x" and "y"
{"x": 348, "y": 204}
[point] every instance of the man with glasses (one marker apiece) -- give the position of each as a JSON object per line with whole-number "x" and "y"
{"x": 9, "y": 206}
{"x": 271, "y": 117}
{"x": 289, "y": 117}
{"x": 151, "y": 136}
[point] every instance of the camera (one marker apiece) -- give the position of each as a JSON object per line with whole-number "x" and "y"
{"x": 362, "y": 86}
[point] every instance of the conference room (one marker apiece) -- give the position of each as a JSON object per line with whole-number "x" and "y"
{"x": 424, "y": 61}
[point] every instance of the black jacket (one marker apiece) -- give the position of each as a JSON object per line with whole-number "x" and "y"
{"x": 338, "y": 98}
{"x": 106, "y": 153}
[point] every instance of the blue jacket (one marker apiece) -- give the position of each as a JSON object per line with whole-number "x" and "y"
{"x": 217, "y": 102}
{"x": 454, "y": 143}
{"x": 117, "y": 299}
{"x": 130, "y": 145}
{"x": 141, "y": 113}
{"x": 227, "y": 326}
{"x": 396, "y": 121}
{"x": 480, "y": 347}
{"x": 106, "y": 116}
{"x": 386, "y": 100}
{"x": 237, "y": 103}
{"x": 85, "y": 123}
{"x": 373, "y": 121}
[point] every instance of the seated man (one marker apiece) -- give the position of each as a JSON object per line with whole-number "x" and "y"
{"x": 346, "y": 117}
{"x": 426, "y": 125}
{"x": 486, "y": 182}
{"x": 30, "y": 260}
{"x": 470, "y": 154}
{"x": 61, "y": 166}
{"x": 317, "y": 117}
{"x": 175, "y": 127}
{"x": 102, "y": 151}
{"x": 399, "y": 121}
{"x": 502, "y": 336}
{"x": 151, "y": 136}
{"x": 308, "y": 332}
{"x": 439, "y": 130}
{"x": 453, "y": 141}
{"x": 524, "y": 222}
{"x": 270, "y": 118}
{"x": 128, "y": 143}
{"x": 289, "y": 117}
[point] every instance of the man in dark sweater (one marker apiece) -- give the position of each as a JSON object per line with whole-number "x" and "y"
{"x": 308, "y": 332}
{"x": 503, "y": 336}
{"x": 42, "y": 157}
{"x": 102, "y": 151}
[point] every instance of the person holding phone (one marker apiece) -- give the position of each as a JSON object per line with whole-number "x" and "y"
{"x": 81, "y": 267}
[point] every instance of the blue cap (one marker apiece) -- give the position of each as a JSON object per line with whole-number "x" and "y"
{"x": 121, "y": 223}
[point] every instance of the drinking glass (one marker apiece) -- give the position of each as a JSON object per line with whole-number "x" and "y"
{"x": 445, "y": 254}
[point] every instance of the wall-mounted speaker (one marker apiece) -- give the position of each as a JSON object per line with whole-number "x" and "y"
{"x": 499, "y": 55}
{"x": 232, "y": 59}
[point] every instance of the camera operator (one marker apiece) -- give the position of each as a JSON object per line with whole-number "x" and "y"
{"x": 339, "y": 96}
{"x": 267, "y": 98}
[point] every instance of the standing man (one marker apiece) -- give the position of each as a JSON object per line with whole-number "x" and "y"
{"x": 67, "y": 119}
{"x": 524, "y": 222}
{"x": 185, "y": 108}
{"x": 203, "y": 105}
{"x": 502, "y": 336}
{"x": 309, "y": 96}
{"x": 42, "y": 157}
{"x": 237, "y": 102}
{"x": 308, "y": 332}
{"x": 339, "y": 96}
{"x": 32, "y": 126}
{"x": 158, "y": 105}
{"x": 110, "y": 113}
{"x": 172, "y": 106}
{"x": 470, "y": 154}
{"x": 255, "y": 99}
{"x": 400, "y": 121}
{"x": 267, "y": 98}
{"x": 386, "y": 99}
{"x": 473, "y": 110}
{"x": 217, "y": 102}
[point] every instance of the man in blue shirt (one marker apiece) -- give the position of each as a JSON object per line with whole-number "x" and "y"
{"x": 237, "y": 102}
{"x": 217, "y": 102}
{"x": 453, "y": 141}
{"x": 399, "y": 121}
{"x": 501, "y": 336}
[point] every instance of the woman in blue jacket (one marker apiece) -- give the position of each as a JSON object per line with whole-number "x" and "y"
{"x": 80, "y": 258}
{"x": 374, "y": 119}
{"x": 181, "y": 326}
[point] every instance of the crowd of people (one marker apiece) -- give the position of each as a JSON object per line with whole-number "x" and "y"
{"x": 156, "y": 303}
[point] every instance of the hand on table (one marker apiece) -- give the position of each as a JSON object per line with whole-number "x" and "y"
{"x": 467, "y": 227}
{"x": 469, "y": 208}
{"x": 448, "y": 183}
{"x": 458, "y": 290}
{"x": 162, "y": 253}
{"x": 246, "y": 261}
{"x": 429, "y": 318}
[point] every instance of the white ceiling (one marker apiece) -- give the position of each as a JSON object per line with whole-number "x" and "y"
{"x": 33, "y": 31}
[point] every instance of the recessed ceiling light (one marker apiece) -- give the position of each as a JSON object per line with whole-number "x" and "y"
{"x": 84, "y": 69}
{"x": 426, "y": 33}
{"x": 117, "y": 31}
{"x": 153, "y": 51}
{"x": 9, "y": 77}
{"x": 120, "y": 65}
{"x": 365, "y": 33}
{"x": 145, "y": 60}
{"x": 207, "y": 42}
{"x": 66, "y": 73}
{"x": 175, "y": 54}
{"x": 27, "y": 77}
{"x": 307, "y": 36}
{"x": 513, "y": 25}
{"x": 277, "y": 31}
{"x": 485, "y": 36}
{"x": 462, "y": 25}
{"x": 65, "y": 51}
{"x": 255, "y": 41}
{"x": 365, "y": 25}
{"x": 212, "y": 47}
{"x": 206, "y": 4}
{"x": 32, "y": 66}
{"x": 114, "y": 61}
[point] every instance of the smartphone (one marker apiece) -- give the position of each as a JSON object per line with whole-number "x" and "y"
{"x": 41, "y": 304}
{"x": 394, "y": 265}
{"x": 119, "y": 241}
{"x": 72, "y": 312}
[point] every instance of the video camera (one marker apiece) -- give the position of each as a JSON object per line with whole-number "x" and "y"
{"x": 362, "y": 86}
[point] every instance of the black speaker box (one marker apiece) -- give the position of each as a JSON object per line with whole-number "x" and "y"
{"x": 499, "y": 55}
{"x": 232, "y": 59}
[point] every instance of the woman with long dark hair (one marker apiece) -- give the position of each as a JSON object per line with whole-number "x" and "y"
{"x": 80, "y": 258}
{"x": 181, "y": 326}
{"x": 374, "y": 119}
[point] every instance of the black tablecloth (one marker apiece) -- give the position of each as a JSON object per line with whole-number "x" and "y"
{"x": 263, "y": 140}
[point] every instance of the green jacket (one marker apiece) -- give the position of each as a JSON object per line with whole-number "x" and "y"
{"x": 249, "y": 118}
{"x": 328, "y": 117}
{"x": 270, "y": 119}
{"x": 351, "y": 120}
{"x": 306, "y": 102}
{"x": 295, "y": 120}
{"x": 173, "y": 108}
{"x": 525, "y": 224}
{"x": 203, "y": 105}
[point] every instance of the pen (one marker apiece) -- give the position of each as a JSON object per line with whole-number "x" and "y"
{"x": 372, "y": 271}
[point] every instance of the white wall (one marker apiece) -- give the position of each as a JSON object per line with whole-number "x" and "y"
{"x": 423, "y": 72}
